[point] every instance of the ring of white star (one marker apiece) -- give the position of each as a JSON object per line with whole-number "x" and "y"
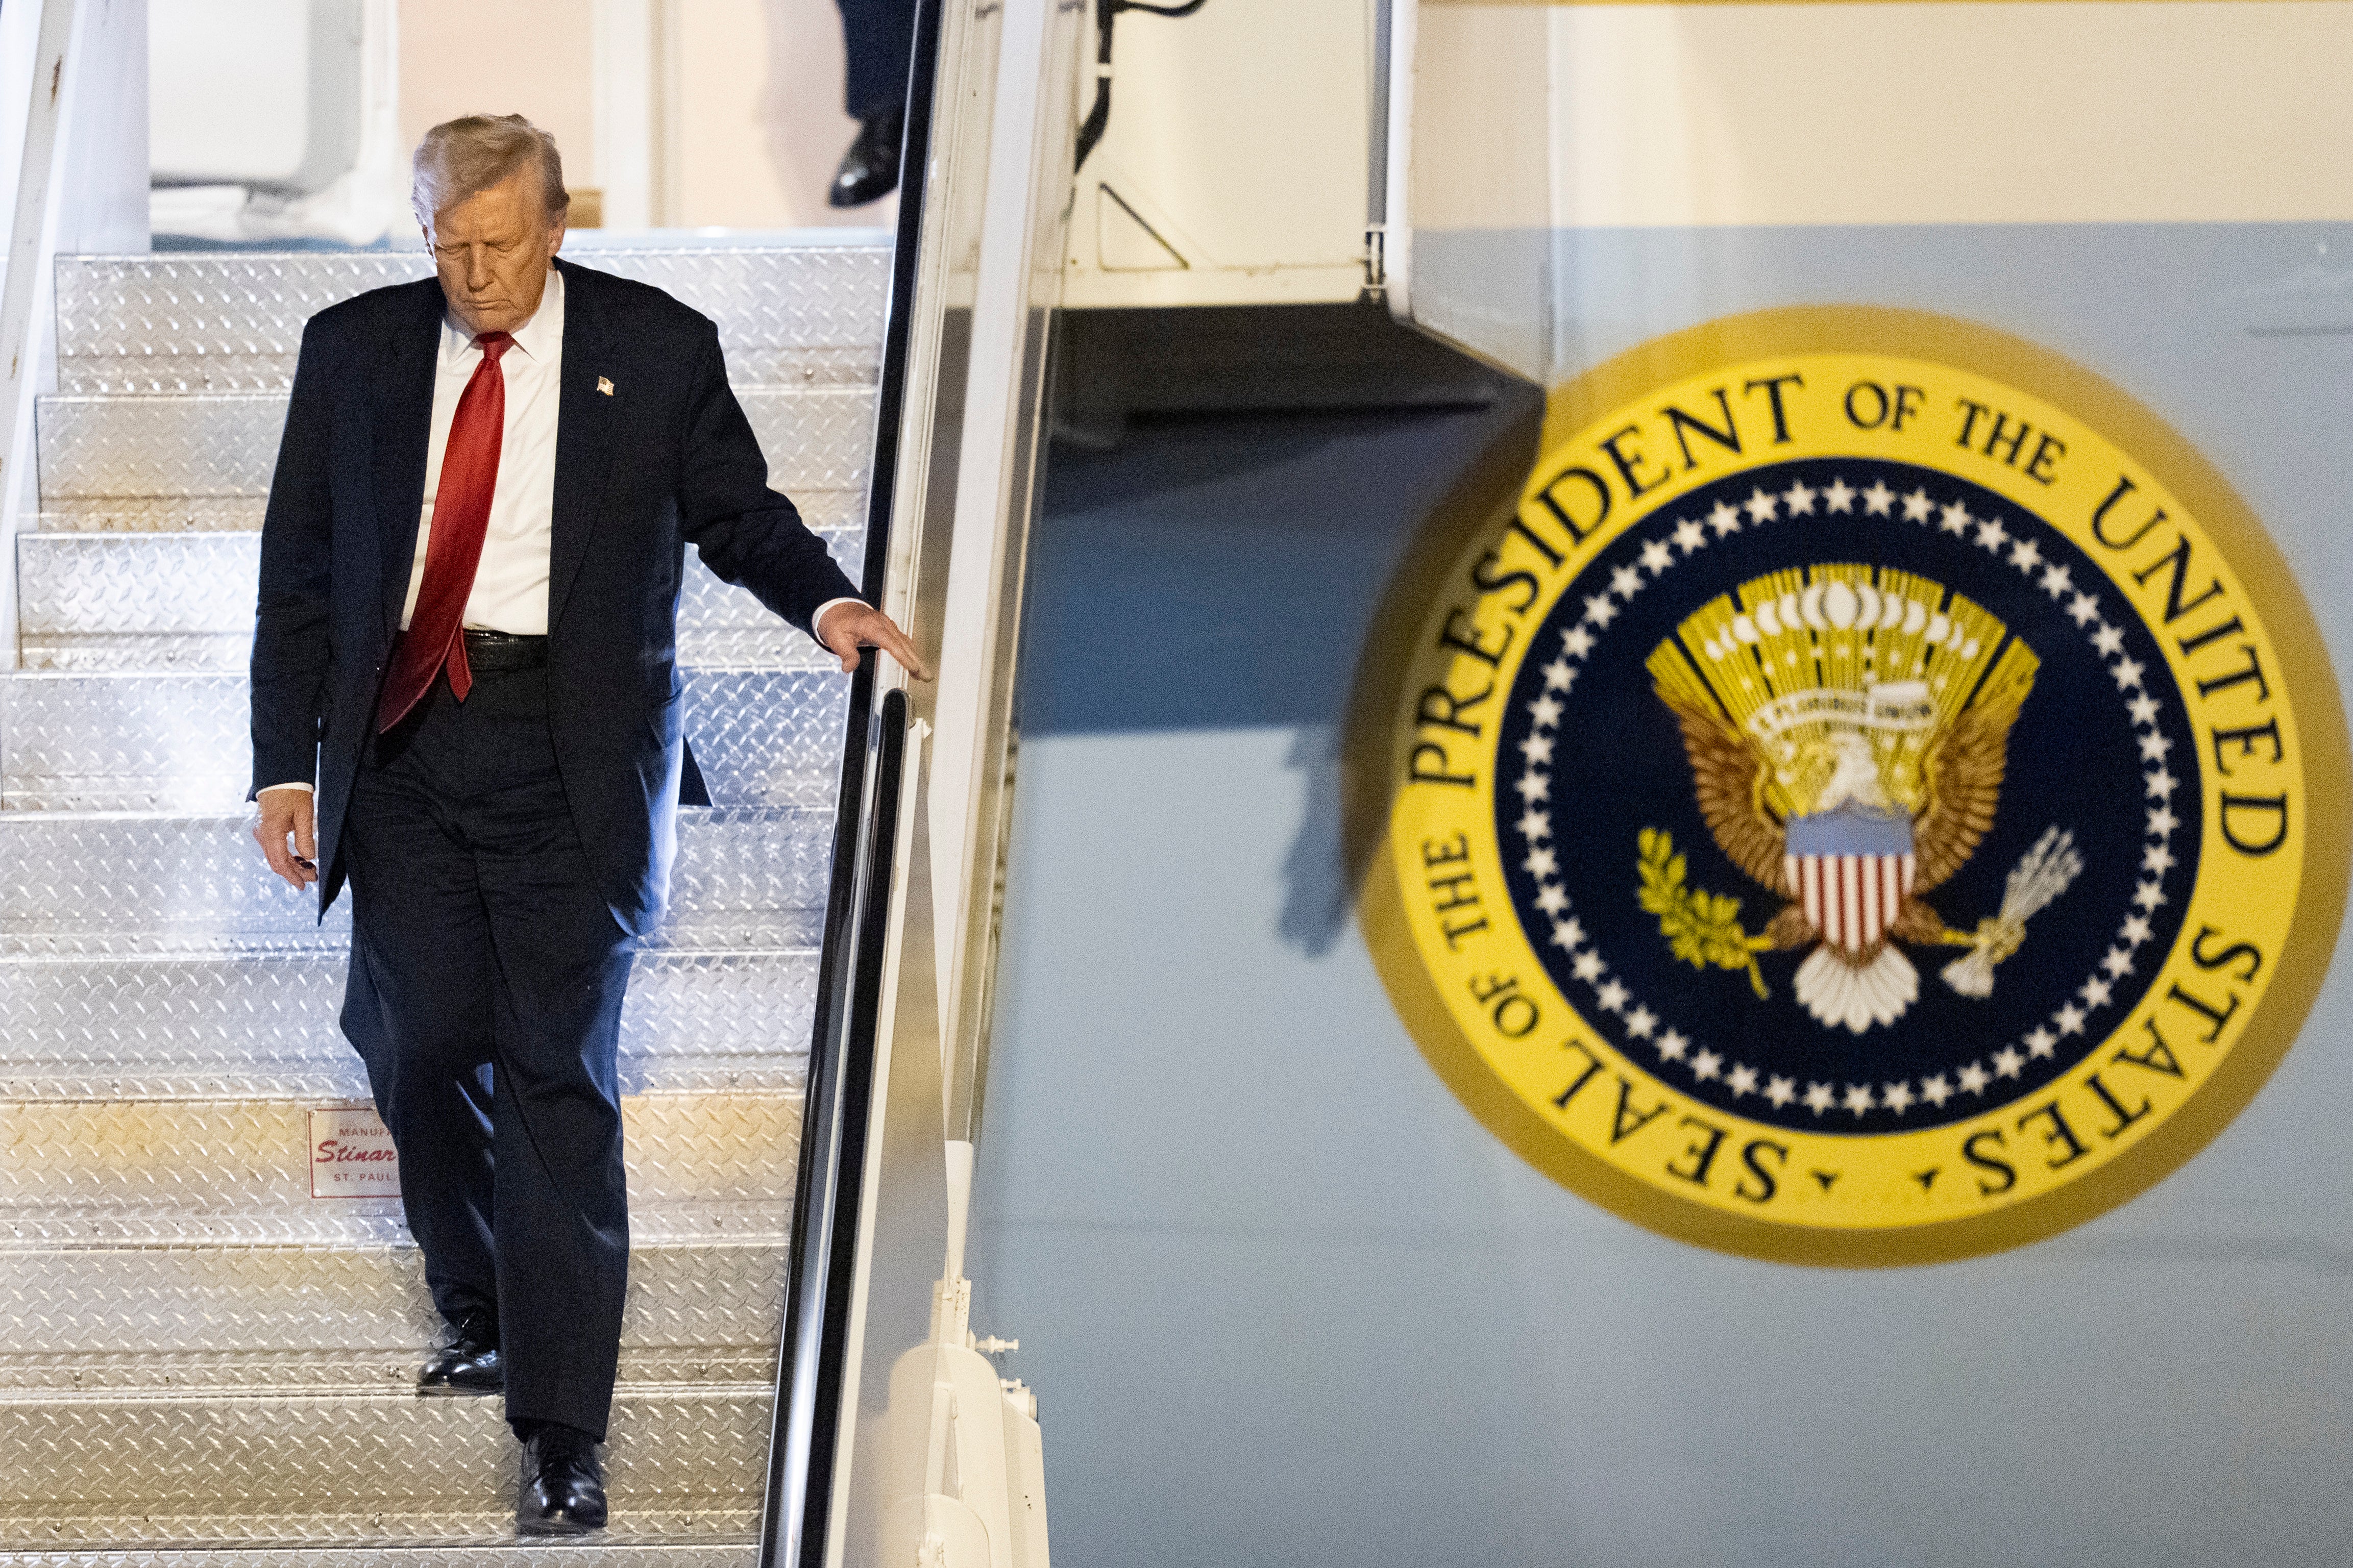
{"x": 1690, "y": 536}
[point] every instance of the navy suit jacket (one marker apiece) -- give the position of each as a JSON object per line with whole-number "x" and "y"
{"x": 667, "y": 459}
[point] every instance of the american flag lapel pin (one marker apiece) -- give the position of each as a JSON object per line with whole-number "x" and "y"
{"x": 605, "y": 384}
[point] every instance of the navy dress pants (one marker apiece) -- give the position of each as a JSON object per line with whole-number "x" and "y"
{"x": 880, "y": 36}
{"x": 485, "y": 997}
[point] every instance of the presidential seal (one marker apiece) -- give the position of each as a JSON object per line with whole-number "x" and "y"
{"x": 1874, "y": 795}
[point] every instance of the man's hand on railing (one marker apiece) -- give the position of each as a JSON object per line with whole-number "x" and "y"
{"x": 288, "y": 814}
{"x": 850, "y": 626}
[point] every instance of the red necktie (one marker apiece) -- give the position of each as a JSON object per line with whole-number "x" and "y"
{"x": 461, "y": 516}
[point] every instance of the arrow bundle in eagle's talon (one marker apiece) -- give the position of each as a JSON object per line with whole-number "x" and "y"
{"x": 2041, "y": 874}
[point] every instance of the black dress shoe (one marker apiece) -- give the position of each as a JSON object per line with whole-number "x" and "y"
{"x": 869, "y": 170}
{"x": 468, "y": 1363}
{"x": 562, "y": 1491}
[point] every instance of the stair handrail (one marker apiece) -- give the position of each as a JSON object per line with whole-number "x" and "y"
{"x": 896, "y": 1056}
{"x": 24, "y": 285}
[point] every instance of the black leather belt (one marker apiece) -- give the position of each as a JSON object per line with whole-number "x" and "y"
{"x": 495, "y": 651}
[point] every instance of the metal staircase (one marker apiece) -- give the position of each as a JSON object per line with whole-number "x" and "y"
{"x": 200, "y": 1361}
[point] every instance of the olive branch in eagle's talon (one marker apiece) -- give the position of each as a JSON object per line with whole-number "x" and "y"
{"x": 1701, "y": 928}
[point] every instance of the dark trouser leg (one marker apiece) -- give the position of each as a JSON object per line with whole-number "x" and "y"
{"x": 880, "y": 36}
{"x": 485, "y": 924}
{"x": 417, "y": 1007}
{"x": 562, "y": 1220}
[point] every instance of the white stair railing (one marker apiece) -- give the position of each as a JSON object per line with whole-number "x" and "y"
{"x": 898, "y": 1440}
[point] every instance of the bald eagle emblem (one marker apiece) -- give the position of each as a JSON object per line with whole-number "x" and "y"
{"x": 1848, "y": 727}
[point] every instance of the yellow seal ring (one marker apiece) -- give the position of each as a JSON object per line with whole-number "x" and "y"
{"x": 1526, "y": 938}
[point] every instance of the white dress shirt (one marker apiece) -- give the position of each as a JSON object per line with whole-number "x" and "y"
{"x": 510, "y": 592}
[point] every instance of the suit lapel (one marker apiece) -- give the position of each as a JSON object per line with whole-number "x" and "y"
{"x": 403, "y": 433}
{"x": 583, "y": 447}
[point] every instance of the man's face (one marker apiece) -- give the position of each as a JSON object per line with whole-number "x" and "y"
{"x": 492, "y": 252}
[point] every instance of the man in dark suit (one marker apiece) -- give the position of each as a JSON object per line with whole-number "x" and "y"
{"x": 466, "y": 701}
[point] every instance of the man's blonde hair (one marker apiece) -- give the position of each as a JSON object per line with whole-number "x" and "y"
{"x": 462, "y": 158}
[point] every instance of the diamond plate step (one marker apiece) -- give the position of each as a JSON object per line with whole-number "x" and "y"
{"x": 187, "y": 324}
{"x": 72, "y": 881}
{"x": 100, "y": 447}
{"x": 148, "y": 514}
{"x": 117, "y": 740}
{"x": 357, "y": 1468}
{"x": 184, "y": 1320}
{"x": 175, "y": 1171}
{"x": 252, "y": 1027}
{"x": 156, "y": 600}
{"x": 90, "y": 584}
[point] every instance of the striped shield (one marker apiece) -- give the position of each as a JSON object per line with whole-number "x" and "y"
{"x": 1850, "y": 869}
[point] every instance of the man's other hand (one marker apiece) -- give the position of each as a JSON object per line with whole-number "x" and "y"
{"x": 286, "y": 814}
{"x": 847, "y": 628}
